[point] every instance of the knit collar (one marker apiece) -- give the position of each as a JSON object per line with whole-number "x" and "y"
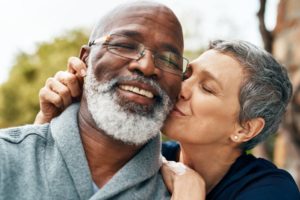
{"x": 142, "y": 166}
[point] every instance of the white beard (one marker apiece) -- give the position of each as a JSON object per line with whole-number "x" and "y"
{"x": 119, "y": 121}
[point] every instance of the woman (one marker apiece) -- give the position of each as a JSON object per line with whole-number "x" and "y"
{"x": 233, "y": 97}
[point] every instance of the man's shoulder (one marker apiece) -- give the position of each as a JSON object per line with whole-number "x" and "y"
{"x": 17, "y": 135}
{"x": 22, "y": 148}
{"x": 23, "y": 162}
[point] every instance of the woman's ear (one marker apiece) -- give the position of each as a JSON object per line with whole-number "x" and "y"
{"x": 248, "y": 130}
{"x": 84, "y": 53}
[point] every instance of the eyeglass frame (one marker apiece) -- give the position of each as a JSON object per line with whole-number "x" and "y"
{"x": 102, "y": 40}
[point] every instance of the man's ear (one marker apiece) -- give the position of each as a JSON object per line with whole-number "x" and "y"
{"x": 248, "y": 130}
{"x": 84, "y": 53}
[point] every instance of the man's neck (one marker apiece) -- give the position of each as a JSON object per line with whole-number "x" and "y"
{"x": 105, "y": 155}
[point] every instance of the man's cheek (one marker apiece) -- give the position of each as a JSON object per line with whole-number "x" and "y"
{"x": 104, "y": 73}
{"x": 174, "y": 95}
{"x": 105, "y": 69}
{"x": 172, "y": 87}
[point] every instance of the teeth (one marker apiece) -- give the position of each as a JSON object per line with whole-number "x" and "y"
{"x": 137, "y": 91}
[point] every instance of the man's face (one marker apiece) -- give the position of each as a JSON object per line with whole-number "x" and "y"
{"x": 156, "y": 30}
{"x": 138, "y": 86}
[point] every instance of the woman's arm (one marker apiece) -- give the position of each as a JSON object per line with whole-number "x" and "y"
{"x": 182, "y": 181}
{"x": 61, "y": 90}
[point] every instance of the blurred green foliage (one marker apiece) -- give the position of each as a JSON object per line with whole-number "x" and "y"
{"x": 191, "y": 55}
{"x": 19, "y": 94}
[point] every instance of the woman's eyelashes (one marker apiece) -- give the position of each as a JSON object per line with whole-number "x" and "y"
{"x": 207, "y": 88}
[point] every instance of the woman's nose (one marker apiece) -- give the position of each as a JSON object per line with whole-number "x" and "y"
{"x": 186, "y": 89}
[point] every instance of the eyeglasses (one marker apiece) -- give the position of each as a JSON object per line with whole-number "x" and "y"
{"x": 127, "y": 47}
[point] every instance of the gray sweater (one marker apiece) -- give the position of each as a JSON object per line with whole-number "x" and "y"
{"x": 48, "y": 162}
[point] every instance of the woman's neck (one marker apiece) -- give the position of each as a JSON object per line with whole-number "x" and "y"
{"x": 212, "y": 163}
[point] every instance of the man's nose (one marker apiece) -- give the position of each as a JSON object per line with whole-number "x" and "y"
{"x": 145, "y": 64}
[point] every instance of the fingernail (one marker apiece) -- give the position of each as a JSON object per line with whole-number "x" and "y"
{"x": 164, "y": 160}
{"x": 83, "y": 73}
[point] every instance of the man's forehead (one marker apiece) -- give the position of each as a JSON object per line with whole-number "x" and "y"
{"x": 140, "y": 25}
{"x": 154, "y": 13}
{"x": 140, "y": 20}
{"x": 154, "y": 42}
{"x": 142, "y": 6}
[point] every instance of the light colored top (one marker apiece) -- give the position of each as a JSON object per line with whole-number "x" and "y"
{"x": 95, "y": 187}
{"x": 48, "y": 162}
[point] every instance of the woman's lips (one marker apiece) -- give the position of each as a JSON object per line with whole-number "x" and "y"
{"x": 177, "y": 112}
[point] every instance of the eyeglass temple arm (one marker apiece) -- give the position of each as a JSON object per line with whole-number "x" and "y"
{"x": 99, "y": 40}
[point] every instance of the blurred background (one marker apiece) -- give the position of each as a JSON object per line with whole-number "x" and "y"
{"x": 37, "y": 37}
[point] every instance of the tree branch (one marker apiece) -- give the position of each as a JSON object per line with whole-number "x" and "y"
{"x": 267, "y": 36}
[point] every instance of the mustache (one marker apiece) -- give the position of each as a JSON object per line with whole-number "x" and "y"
{"x": 113, "y": 83}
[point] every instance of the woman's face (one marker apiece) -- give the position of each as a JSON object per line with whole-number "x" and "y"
{"x": 208, "y": 106}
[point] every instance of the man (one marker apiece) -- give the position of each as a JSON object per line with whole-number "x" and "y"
{"x": 107, "y": 147}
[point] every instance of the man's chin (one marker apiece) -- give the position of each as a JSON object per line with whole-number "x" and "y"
{"x": 134, "y": 107}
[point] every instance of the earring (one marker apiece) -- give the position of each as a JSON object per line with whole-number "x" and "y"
{"x": 235, "y": 137}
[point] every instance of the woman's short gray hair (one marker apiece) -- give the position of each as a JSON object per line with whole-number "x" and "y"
{"x": 266, "y": 89}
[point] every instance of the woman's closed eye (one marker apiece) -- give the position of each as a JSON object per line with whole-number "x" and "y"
{"x": 207, "y": 89}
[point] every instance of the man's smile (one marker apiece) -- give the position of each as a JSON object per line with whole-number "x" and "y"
{"x": 137, "y": 90}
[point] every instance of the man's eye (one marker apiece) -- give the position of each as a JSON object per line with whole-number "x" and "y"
{"x": 123, "y": 45}
{"x": 172, "y": 63}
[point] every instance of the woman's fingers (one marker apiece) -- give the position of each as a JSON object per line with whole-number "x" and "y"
{"x": 50, "y": 104}
{"x": 61, "y": 90}
{"x": 176, "y": 167}
{"x": 77, "y": 67}
{"x": 167, "y": 174}
{"x": 47, "y": 96}
{"x": 182, "y": 182}
{"x": 58, "y": 92}
{"x": 70, "y": 81}
{"x": 170, "y": 170}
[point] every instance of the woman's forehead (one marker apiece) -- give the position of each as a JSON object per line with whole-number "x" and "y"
{"x": 219, "y": 65}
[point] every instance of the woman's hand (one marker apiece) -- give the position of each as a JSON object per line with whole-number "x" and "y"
{"x": 182, "y": 181}
{"x": 61, "y": 90}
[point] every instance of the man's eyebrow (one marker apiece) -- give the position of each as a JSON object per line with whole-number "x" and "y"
{"x": 171, "y": 48}
{"x": 129, "y": 33}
